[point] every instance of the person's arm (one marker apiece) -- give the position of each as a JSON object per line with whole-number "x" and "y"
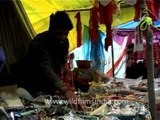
{"x": 44, "y": 63}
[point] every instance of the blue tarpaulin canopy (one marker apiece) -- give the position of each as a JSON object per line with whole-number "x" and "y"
{"x": 131, "y": 25}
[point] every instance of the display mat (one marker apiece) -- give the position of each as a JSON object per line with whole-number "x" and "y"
{"x": 136, "y": 87}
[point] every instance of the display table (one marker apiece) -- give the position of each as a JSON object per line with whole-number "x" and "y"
{"x": 105, "y": 101}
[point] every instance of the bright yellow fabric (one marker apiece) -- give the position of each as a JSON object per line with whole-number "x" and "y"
{"x": 39, "y": 11}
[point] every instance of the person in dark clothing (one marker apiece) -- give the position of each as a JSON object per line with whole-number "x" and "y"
{"x": 141, "y": 69}
{"x": 46, "y": 56}
{"x": 133, "y": 69}
{"x": 130, "y": 65}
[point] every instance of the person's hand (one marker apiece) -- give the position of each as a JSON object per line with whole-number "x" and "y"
{"x": 74, "y": 101}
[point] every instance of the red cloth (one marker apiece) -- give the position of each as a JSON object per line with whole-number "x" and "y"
{"x": 152, "y": 9}
{"x": 79, "y": 29}
{"x": 157, "y": 5}
{"x": 106, "y": 18}
{"x": 106, "y": 12}
{"x": 152, "y": 6}
{"x": 93, "y": 25}
{"x": 137, "y": 10}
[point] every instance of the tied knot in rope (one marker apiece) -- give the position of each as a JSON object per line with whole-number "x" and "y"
{"x": 145, "y": 22}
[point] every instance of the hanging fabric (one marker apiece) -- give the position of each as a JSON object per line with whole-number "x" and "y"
{"x": 106, "y": 18}
{"x": 138, "y": 44}
{"x": 93, "y": 23}
{"x": 152, "y": 7}
{"x": 97, "y": 53}
{"x": 157, "y": 6}
{"x": 94, "y": 52}
{"x": 137, "y": 10}
{"x": 79, "y": 29}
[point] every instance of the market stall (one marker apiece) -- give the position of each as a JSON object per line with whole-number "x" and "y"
{"x": 107, "y": 98}
{"x": 117, "y": 99}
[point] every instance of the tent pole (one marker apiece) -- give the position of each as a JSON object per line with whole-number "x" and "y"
{"x": 112, "y": 60}
{"x": 150, "y": 63}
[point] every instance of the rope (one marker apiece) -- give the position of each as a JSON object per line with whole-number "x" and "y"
{"x": 143, "y": 6}
{"x": 144, "y": 23}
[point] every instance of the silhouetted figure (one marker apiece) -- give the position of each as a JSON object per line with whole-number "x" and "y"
{"x": 46, "y": 56}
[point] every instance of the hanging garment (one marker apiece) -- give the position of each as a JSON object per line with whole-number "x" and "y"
{"x": 106, "y": 18}
{"x": 152, "y": 9}
{"x": 79, "y": 29}
{"x": 93, "y": 24}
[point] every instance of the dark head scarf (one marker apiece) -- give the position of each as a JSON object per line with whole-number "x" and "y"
{"x": 60, "y": 21}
